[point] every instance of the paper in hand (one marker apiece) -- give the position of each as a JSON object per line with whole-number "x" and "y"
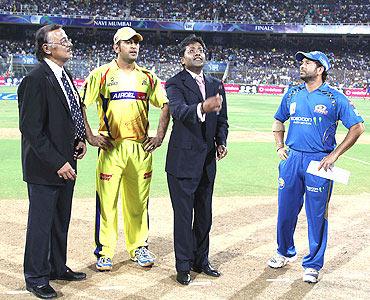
{"x": 336, "y": 174}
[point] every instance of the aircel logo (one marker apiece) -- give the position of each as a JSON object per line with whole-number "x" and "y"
{"x": 123, "y": 95}
{"x": 127, "y": 95}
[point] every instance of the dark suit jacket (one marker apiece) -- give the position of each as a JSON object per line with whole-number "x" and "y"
{"x": 191, "y": 145}
{"x": 48, "y": 131}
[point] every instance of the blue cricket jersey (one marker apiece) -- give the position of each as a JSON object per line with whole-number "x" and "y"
{"x": 314, "y": 117}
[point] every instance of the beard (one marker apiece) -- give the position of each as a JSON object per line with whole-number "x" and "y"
{"x": 308, "y": 77}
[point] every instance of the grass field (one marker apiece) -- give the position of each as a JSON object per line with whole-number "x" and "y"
{"x": 243, "y": 230}
{"x": 249, "y": 169}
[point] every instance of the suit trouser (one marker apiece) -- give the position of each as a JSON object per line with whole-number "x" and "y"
{"x": 191, "y": 238}
{"x": 47, "y": 229}
{"x": 294, "y": 183}
{"x": 127, "y": 167}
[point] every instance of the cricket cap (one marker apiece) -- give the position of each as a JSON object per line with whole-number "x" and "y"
{"x": 126, "y": 33}
{"x": 316, "y": 56}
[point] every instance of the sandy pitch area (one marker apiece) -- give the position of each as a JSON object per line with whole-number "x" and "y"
{"x": 242, "y": 239}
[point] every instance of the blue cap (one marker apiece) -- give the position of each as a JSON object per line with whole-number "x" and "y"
{"x": 314, "y": 55}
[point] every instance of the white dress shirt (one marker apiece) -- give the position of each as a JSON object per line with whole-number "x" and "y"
{"x": 58, "y": 72}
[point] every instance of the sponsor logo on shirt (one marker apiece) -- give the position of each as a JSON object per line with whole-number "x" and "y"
{"x": 317, "y": 120}
{"x": 281, "y": 183}
{"x": 112, "y": 82}
{"x": 315, "y": 189}
{"x": 301, "y": 120}
{"x": 106, "y": 177}
{"x": 127, "y": 95}
{"x": 321, "y": 109}
{"x": 292, "y": 107}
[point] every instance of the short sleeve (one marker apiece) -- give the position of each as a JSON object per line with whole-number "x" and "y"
{"x": 347, "y": 111}
{"x": 282, "y": 114}
{"x": 90, "y": 90}
{"x": 158, "y": 95}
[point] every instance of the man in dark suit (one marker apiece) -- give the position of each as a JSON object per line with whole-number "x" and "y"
{"x": 51, "y": 123}
{"x": 198, "y": 108}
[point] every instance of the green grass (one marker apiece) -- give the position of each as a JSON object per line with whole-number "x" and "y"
{"x": 249, "y": 169}
{"x": 8, "y": 89}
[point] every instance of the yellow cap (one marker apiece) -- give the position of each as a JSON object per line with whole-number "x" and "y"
{"x": 126, "y": 33}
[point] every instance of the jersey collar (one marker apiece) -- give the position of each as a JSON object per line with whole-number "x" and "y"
{"x": 321, "y": 88}
{"x": 115, "y": 65}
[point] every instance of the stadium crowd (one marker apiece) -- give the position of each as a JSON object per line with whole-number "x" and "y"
{"x": 253, "y": 59}
{"x": 258, "y": 11}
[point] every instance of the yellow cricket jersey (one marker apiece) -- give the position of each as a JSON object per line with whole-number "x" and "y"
{"x": 123, "y": 99}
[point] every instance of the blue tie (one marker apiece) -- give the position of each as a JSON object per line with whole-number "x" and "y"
{"x": 75, "y": 109}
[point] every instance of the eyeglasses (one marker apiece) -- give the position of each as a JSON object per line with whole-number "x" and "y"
{"x": 64, "y": 43}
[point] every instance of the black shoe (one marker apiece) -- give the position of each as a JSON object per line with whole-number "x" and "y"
{"x": 69, "y": 275}
{"x": 43, "y": 291}
{"x": 183, "y": 277}
{"x": 208, "y": 270}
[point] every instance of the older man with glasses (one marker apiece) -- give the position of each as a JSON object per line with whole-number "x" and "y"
{"x": 53, "y": 138}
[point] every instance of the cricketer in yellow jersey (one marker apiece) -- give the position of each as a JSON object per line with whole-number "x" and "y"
{"x": 122, "y": 91}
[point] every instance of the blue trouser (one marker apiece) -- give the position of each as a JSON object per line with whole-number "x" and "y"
{"x": 294, "y": 182}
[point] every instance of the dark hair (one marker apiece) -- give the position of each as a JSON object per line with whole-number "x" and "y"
{"x": 191, "y": 39}
{"x": 41, "y": 38}
{"x": 324, "y": 74}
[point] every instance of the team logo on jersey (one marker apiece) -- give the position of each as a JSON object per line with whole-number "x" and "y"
{"x": 147, "y": 175}
{"x": 321, "y": 109}
{"x": 144, "y": 82}
{"x": 292, "y": 108}
{"x": 112, "y": 82}
{"x": 281, "y": 183}
{"x": 106, "y": 177}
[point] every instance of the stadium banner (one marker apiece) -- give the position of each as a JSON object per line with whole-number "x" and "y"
{"x": 356, "y": 92}
{"x": 232, "y": 88}
{"x": 78, "y": 82}
{"x": 337, "y": 29}
{"x": 8, "y": 96}
{"x": 9, "y": 81}
{"x": 7, "y": 18}
{"x": 248, "y": 89}
{"x": 215, "y": 67}
{"x": 271, "y": 89}
{"x": 21, "y": 59}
